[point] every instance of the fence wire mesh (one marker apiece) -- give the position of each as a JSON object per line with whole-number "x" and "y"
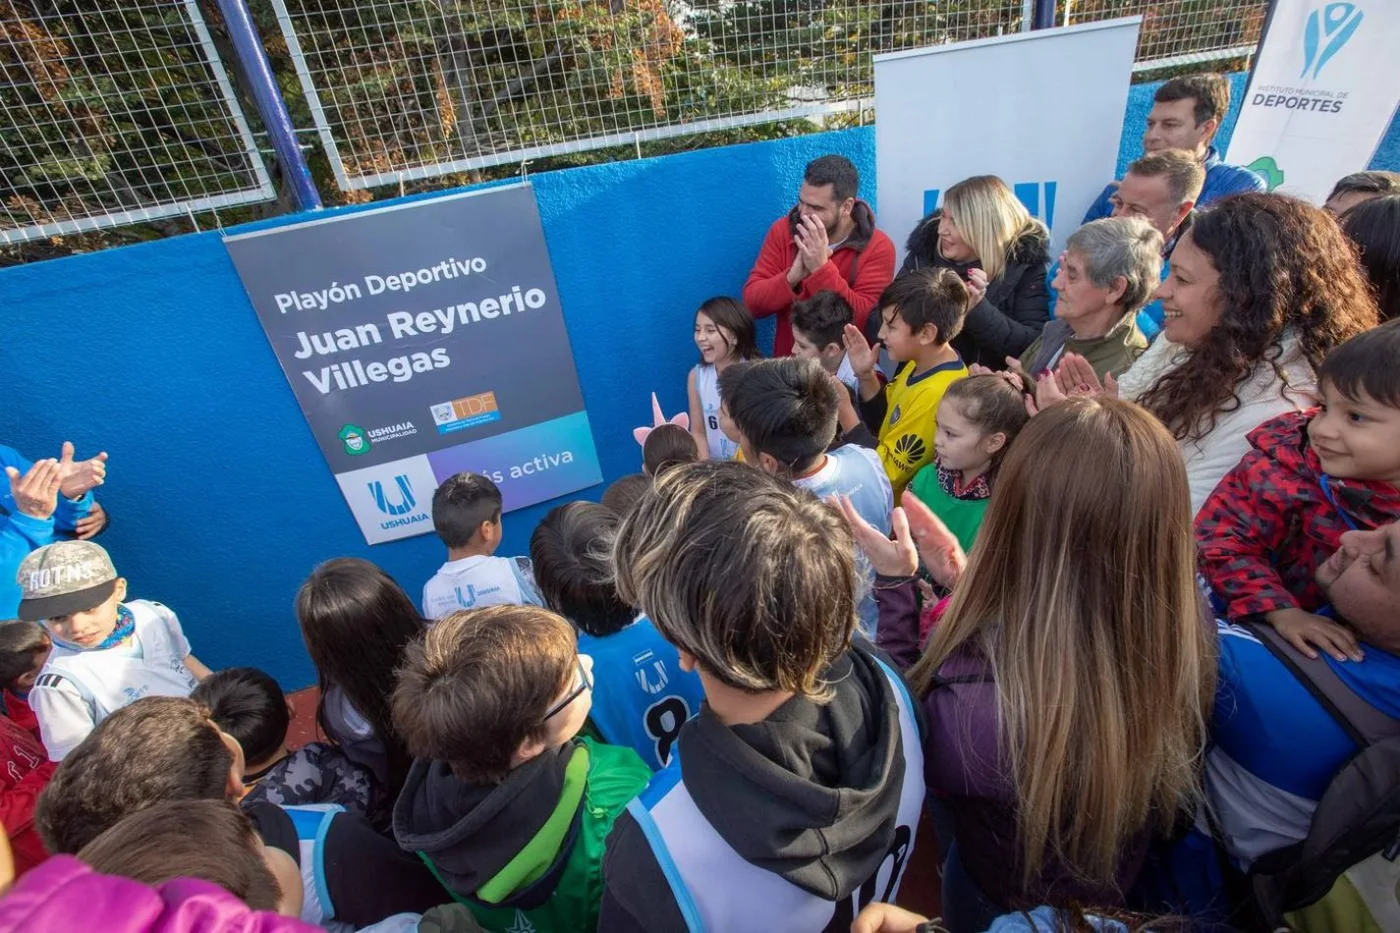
{"x": 114, "y": 113}
{"x": 403, "y": 90}
{"x": 1179, "y": 33}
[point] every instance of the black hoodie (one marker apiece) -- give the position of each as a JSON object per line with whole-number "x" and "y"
{"x": 1017, "y": 304}
{"x": 470, "y": 832}
{"x": 816, "y": 805}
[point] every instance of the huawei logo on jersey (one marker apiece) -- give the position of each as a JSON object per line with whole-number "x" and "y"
{"x": 910, "y": 448}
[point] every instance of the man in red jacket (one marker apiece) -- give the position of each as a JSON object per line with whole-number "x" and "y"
{"x": 828, "y": 242}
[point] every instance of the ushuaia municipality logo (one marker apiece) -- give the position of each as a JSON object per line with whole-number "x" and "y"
{"x": 354, "y": 439}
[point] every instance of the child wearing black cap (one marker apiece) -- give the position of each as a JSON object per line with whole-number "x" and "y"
{"x": 106, "y": 652}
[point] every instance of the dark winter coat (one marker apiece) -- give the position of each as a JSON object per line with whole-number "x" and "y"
{"x": 1012, "y": 313}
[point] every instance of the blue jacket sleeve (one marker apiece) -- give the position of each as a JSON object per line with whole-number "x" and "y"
{"x": 19, "y": 534}
{"x": 1101, "y": 207}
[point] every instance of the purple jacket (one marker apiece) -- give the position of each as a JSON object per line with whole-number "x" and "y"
{"x": 965, "y": 767}
{"x": 64, "y": 894}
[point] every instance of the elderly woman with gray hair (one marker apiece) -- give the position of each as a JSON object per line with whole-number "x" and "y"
{"x": 1107, "y": 273}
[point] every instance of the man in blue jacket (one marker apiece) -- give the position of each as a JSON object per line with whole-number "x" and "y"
{"x": 39, "y": 499}
{"x": 1274, "y": 748}
{"x": 1186, "y": 113}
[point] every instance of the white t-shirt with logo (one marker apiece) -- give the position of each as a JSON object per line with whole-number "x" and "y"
{"x": 474, "y": 582}
{"x": 78, "y": 689}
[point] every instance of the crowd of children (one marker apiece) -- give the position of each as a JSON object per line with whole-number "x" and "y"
{"x": 864, "y": 586}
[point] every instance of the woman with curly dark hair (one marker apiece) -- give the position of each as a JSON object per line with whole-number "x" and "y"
{"x": 1261, "y": 288}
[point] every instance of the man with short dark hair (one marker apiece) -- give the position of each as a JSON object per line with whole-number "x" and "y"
{"x": 828, "y": 241}
{"x": 1358, "y": 187}
{"x": 1186, "y": 114}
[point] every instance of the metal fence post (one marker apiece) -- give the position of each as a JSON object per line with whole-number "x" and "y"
{"x": 1044, "y": 14}
{"x": 263, "y": 86}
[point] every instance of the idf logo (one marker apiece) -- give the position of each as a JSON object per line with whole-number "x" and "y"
{"x": 1327, "y": 30}
{"x": 406, "y": 501}
{"x": 354, "y": 439}
{"x": 1037, "y": 196}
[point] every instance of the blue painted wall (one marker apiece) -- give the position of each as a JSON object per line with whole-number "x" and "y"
{"x": 221, "y": 501}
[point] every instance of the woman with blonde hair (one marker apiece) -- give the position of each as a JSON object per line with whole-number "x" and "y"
{"x": 1069, "y": 682}
{"x": 987, "y": 236}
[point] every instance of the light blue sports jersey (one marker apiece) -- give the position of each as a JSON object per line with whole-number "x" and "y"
{"x": 641, "y": 697}
{"x": 857, "y": 472}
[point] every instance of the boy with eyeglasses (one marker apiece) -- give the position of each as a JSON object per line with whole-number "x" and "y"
{"x": 505, "y": 803}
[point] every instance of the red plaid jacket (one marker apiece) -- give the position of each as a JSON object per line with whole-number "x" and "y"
{"x": 1269, "y": 525}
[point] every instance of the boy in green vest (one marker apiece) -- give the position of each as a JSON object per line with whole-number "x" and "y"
{"x": 506, "y": 805}
{"x": 978, "y": 417}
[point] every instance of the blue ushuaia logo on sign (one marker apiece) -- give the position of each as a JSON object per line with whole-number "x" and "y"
{"x": 1327, "y": 30}
{"x": 406, "y": 500}
{"x": 1037, "y": 196}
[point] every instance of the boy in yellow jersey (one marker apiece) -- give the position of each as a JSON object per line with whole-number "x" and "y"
{"x": 920, "y": 313}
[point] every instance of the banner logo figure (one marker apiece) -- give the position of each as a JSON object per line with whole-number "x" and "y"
{"x": 1335, "y": 23}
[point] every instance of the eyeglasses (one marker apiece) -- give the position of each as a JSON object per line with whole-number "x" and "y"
{"x": 585, "y": 683}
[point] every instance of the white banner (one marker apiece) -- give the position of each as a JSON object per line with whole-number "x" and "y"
{"x": 1325, "y": 86}
{"x": 1041, "y": 110}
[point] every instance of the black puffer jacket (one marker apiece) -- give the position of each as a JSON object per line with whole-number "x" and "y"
{"x": 1017, "y": 305}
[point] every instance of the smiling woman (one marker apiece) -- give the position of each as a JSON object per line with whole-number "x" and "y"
{"x": 1261, "y": 288}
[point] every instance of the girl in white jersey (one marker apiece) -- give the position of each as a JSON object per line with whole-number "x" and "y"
{"x": 106, "y": 652}
{"x": 724, "y": 334}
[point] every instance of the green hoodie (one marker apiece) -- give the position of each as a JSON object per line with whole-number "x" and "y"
{"x": 542, "y": 883}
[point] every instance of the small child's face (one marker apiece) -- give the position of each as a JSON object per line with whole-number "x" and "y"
{"x": 901, "y": 342}
{"x": 24, "y": 682}
{"x": 1356, "y": 438}
{"x": 960, "y": 443}
{"x": 804, "y": 348}
{"x": 715, "y": 343}
{"x": 89, "y": 628}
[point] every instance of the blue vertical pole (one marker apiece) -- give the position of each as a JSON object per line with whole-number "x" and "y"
{"x": 1044, "y": 14}
{"x": 273, "y": 110}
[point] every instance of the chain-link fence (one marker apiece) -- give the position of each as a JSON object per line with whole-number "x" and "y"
{"x": 114, "y": 113}
{"x": 1179, "y": 33}
{"x": 403, "y": 90}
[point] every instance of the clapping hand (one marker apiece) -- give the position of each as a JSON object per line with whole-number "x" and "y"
{"x": 812, "y": 243}
{"x": 76, "y": 477}
{"x": 1077, "y": 379}
{"x": 918, "y": 533}
{"x": 976, "y": 287}
{"x": 36, "y": 492}
{"x": 860, "y": 353}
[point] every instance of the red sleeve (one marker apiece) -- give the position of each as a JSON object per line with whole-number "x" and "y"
{"x": 874, "y": 271}
{"x": 23, "y": 715}
{"x": 767, "y": 291}
{"x": 1245, "y": 520}
{"x": 17, "y": 802}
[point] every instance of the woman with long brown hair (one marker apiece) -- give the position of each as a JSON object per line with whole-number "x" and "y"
{"x": 1069, "y": 682}
{"x": 1262, "y": 287}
